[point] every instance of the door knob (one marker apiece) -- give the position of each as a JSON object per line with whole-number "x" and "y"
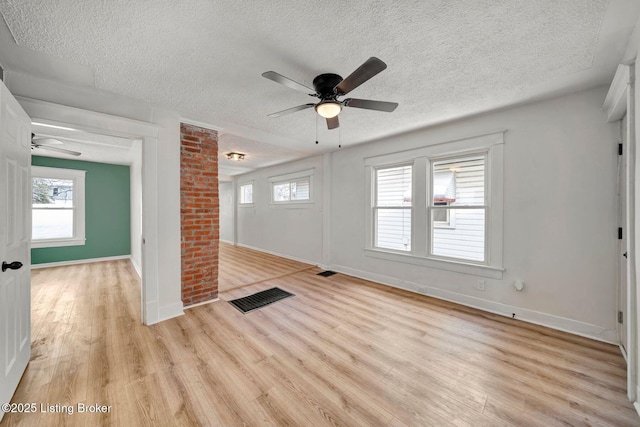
{"x": 15, "y": 265}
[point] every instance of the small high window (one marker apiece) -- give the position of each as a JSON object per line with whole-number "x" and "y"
{"x": 246, "y": 194}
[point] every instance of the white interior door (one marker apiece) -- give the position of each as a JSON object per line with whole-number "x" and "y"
{"x": 15, "y": 236}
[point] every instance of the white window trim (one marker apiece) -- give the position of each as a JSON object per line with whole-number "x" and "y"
{"x": 281, "y": 179}
{"x": 78, "y": 177}
{"x": 374, "y": 207}
{"x": 253, "y": 187}
{"x": 493, "y": 145}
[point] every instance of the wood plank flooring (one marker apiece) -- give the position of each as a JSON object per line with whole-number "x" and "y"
{"x": 343, "y": 351}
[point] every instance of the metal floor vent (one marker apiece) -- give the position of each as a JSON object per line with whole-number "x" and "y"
{"x": 327, "y": 273}
{"x": 260, "y": 299}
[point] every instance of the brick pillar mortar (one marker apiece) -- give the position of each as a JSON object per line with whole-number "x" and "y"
{"x": 199, "y": 213}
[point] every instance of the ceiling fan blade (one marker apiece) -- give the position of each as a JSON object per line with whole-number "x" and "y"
{"x": 333, "y": 123}
{"x": 291, "y": 110}
{"x": 370, "y": 68}
{"x": 59, "y": 150}
{"x": 370, "y": 104}
{"x": 279, "y": 78}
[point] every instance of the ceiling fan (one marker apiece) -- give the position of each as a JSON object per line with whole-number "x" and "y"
{"x": 328, "y": 87}
{"x": 44, "y": 143}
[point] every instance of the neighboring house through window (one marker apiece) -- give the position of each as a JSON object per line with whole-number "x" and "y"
{"x": 57, "y": 207}
{"x": 439, "y": 206}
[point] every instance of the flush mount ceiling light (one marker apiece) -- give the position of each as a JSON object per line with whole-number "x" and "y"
{"x": 328, "y": 109}
{"x": 235, "y": 156}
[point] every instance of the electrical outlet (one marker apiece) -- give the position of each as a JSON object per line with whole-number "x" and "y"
{"x": 482, "y": 285}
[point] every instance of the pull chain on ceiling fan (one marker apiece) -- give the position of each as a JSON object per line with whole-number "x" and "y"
{"x": 328, "y": 87}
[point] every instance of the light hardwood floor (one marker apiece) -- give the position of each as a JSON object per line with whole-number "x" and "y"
{"x": 343, "y": 351}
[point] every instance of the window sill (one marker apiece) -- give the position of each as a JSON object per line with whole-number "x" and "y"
{"x": 488, "y": 271}
{"x": 54, "y": 243}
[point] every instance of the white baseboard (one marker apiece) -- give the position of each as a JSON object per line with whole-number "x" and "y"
{"x": 157, "y": 314}
{"x": 555, "y": 322}
{"x": 201, "y": 303}
{"x": 306, "y": 261}
{"x": 624, "y": 354}
{"x": 79, "y": 261}
{"x": 227, "y": 241}
{"x": 637, "y": 406}
{"x": 136, "y": 267}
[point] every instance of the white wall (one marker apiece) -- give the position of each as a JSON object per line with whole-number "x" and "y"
{"x": 559, "y": 216}
{"x": 225, "y": 190}
{"x": 294, "y": 230}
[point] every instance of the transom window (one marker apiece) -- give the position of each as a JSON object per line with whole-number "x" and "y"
{"x": 293, "y": 188}
{"x": 57, "y": 207}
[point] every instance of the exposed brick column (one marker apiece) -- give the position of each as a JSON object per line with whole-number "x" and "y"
{"x": 199, "y": 213}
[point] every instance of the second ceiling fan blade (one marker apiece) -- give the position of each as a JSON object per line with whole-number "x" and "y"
{"x": 59, "y": 150}
{"x": 369, "y": 104}
{"x": 333, "y": 123}
{"x": 370, "y": 68}
{"x": 279, "y": 78}
{"x": 291, "y": 110}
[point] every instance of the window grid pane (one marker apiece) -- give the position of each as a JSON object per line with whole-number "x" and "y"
{"x": 299, "y": 189}
{"x": 393, "y": 229}
{"x": 468, "y": 181}
{"x": 52, "y": 223}
{"x": 466, "y": 241}
{"x": 281, "y": 192}
{"x": 246, "y": 193}
{"x": 392, "y": 209}
{"x": 51, "y": 193}
{"x": 465, "y": 237}
{"x": 393, "y": 186}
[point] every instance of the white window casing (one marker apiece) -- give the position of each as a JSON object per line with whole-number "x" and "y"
{"x": 481, "y": 254}
{"x": 76, "y": 236}
{"x": 246, "y": 195}
{"x": 292, "y": 189}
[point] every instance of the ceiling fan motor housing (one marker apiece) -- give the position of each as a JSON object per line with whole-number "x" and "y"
{"x": 324, "y": 84}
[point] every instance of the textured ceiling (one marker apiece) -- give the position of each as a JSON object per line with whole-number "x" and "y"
{"x": 93, "y": 147}
{"x": 445, "y": 59}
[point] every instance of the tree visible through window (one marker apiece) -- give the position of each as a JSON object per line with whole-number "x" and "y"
{"x": 298, "y": 189}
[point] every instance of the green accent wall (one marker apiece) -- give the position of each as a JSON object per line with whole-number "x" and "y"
{"x": 107, "y": 212}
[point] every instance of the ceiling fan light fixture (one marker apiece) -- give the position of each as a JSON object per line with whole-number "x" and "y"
{"x": 329, "y": 109}
{"x": 235, "y": 156}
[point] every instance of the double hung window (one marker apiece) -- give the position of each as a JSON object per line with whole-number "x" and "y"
{"x": 57, "y": 207}
{"x": 439, "y": 206}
